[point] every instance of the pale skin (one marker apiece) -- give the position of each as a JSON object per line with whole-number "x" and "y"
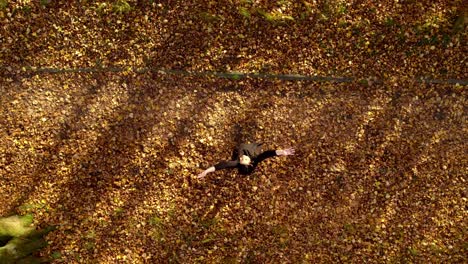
{"x": 245, "y": 160}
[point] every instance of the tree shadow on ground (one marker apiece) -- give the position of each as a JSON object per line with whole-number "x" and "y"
{"x": 107, "y": 168}
{"x": 49, "y": 160}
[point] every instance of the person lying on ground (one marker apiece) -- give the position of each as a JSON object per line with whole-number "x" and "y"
{"x": 246, "y": 158}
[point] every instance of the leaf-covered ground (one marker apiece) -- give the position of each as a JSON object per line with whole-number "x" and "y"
{"x": 111, "y": 158}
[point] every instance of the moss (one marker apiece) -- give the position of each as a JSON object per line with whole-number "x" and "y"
{"x": 20, "y": 240}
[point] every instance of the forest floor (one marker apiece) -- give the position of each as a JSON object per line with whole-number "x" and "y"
{"x": 111, "y": 158}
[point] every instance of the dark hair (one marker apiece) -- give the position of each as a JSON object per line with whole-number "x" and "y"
{"x": 245, "y": 169}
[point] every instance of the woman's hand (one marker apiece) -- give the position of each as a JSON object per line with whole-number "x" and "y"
{"x": 204, "y": 173}
{"x": 285, "y": 152}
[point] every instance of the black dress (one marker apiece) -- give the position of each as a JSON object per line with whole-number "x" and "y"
{"x": 253, "y": 151}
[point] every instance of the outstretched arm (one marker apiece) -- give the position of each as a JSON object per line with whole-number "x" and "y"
{"x": 278, "y": 152}
{"x": 219, "y": 166}
{"x": 205, "y": 172}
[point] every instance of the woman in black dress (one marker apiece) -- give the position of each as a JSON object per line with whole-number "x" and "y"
{"x": 246, "y": 158}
